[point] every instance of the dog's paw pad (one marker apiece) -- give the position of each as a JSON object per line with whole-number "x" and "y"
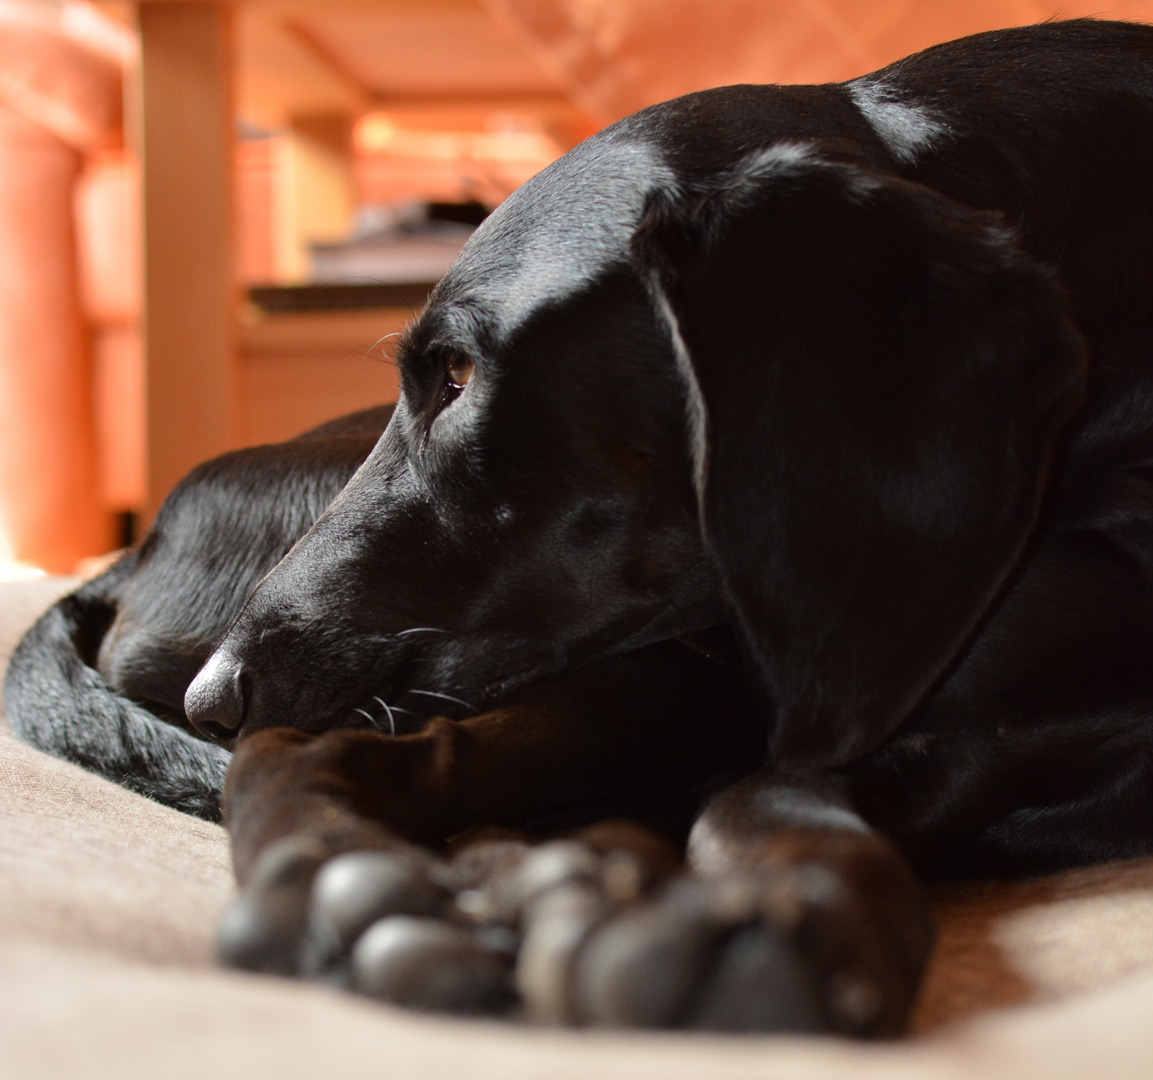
{"x": 560, "y": 896}
{"x": 708, "y": 955}
{"x": 262, "y": 928}
{"x": 759, "y": 982}
{"x": 353, "y": 891}
{"x": 432, "y": 965}
{"x": 643, "y": 968}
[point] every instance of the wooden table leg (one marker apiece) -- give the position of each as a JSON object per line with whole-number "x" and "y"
{"x": 186, "y": 144}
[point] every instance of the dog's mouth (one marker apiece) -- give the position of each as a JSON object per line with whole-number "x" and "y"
{"x": 376, "y": 713}
{"x": 411, "y": 708}
{"x": 405, "y": 690}
{"x": 420, "y": 706}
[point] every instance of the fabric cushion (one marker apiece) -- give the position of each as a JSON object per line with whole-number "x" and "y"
{"x": 108, "y": 903}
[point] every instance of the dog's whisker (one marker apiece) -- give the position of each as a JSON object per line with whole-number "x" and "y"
{"x": 446, "y": 697}
{"x": 423, "y": 630}
{"x": 368, "y": 716}
{"x": 381, "y": 340}
{"x": 388, "y": 711}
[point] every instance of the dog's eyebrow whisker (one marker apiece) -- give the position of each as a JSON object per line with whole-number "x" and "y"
{"x": 446, "y": 697}
{"x": 382, "y": 357}
{"x": 381, "y": 340}
{"x": 423, "y": 630}
{"x": 388, "y": 711}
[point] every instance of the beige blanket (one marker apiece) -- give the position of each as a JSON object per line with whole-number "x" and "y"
{"x": 108, "y": 901}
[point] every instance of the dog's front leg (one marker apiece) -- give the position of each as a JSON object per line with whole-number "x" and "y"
{"x": 853, "y": 909}
{"x": 290, "y": 807}
{"x": 648, "y": 727}
{"x": 798, "y": 917}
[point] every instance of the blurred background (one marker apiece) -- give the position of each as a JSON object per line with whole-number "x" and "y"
{"x": 215, "y": 217}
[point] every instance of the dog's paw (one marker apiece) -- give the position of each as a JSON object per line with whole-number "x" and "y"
{"x": 389, "y": 926}
{"x": 729, "y": 955}
{"x": 585, "y": 933}
{"x": 441, "y": 936}
{"x": 383, "y": 923}
{"x": 796, "y": 950}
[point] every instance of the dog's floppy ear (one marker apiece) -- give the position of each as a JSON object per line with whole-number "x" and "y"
{"x": 877, "y": 380}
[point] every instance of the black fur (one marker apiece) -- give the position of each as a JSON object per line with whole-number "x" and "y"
{"x": 100, "y": 678}
{"x": 909, "y": 321}
{"x": 60, "y": 703}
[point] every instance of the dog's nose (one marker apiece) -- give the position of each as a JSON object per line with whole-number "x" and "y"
{"x": 215, "y": 700}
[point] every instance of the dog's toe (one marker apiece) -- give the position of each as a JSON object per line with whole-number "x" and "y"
{"x": 643, "y": 968}
{"x": 353, "y": 891}
{"x": 301, "y": 910}
{"x": 432, "y": 965}
{"x": 661, "y": 966}
{"x": 262, "y": 928}
{"x": 759, "y": 982}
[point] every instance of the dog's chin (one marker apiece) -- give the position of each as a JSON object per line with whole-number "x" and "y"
{"x": 499, "y": 691}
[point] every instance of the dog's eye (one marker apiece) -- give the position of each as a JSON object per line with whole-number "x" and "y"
{"x": 458, "y": 368}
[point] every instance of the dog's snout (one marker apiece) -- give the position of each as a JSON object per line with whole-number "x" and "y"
{"x": 215, "y": 701}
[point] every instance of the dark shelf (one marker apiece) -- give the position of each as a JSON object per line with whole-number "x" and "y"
{"x": 283, "y": 298}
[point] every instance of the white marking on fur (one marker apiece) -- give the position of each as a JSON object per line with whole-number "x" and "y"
{"x": 697, "y": 416}
{"x": 795, "y": 806}
{"x": 905, "y": 128}
{"x": 712, "y": 851}
{"x": 708, "y": 852}
{"x": 780, "y": 159}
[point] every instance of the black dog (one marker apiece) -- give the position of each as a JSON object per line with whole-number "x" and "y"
{"x": 862, "y": 371}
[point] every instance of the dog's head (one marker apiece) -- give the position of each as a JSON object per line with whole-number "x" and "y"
{"x": 794, "y": 393}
